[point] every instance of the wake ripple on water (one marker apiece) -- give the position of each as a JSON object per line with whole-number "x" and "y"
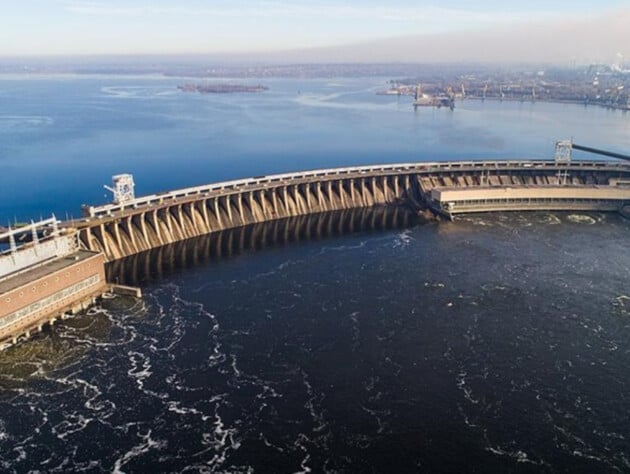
{"x": 138, "y": 92}
{"x": 22, "y": 122}
{"x": 147, "y": 444}
{"x": 89, "y": 394}
{"x": 403, "y": 239}
{"x": 333, "y": 101}
{"x": 582, "y": 219}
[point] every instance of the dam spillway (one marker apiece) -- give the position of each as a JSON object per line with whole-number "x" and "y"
{"x": 160, "y": 262}
{"x": 153, "y": 227}
{"x": 141, "y": 224}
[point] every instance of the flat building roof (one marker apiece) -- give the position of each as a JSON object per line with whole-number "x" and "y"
{"x": 26, "y": 277}
{"x": 454, "y": 194}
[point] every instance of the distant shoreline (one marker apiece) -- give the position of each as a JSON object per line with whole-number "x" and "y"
{"x": 546, "y": 101}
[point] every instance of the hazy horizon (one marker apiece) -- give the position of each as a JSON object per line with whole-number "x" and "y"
{"x": 319, "y": 31}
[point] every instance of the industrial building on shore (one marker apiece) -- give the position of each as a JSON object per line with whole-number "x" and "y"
{"x": 45, "y": 278}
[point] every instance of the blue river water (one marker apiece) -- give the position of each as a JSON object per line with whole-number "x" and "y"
{"x": 496, "y": 343}
{"x": 61, "y": 139}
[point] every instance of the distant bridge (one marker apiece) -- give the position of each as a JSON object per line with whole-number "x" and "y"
{"x": 138, "y": 224}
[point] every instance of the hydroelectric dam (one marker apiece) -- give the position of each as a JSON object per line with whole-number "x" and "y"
{"x": 32, "y": 274}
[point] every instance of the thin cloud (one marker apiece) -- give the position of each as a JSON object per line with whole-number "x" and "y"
{"x": 268, "y": 9}
{"x": 527, "y": 42}
{"x": 333, "y": 30}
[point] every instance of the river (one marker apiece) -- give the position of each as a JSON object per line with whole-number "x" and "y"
{"x": 497, "y": 343}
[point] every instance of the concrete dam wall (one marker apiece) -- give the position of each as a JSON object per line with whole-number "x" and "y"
{"x": 154, "y": 264}
{"x": 131, "y": 234}
{"x": 121, "y": 230}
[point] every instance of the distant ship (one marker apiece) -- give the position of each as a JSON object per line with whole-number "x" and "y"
{"x": 426, "y": 100}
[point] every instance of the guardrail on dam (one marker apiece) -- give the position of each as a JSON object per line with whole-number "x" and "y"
{"x": 133, "y": 225}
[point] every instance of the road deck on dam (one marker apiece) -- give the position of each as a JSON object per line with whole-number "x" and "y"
{"x": 143, "y": 223}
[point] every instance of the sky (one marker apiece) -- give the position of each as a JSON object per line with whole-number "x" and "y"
{"x": 97, "y": 27}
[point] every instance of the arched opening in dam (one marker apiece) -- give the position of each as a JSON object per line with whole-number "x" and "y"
{"x": 447, "y": 189}
{"x": 155, "y": 264}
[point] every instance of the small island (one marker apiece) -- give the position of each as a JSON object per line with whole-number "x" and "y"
{"x": 222, "y": 88}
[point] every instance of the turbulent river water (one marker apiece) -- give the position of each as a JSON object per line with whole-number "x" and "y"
{"x": 499, "y": 342}
{"x": 358, "y": 341}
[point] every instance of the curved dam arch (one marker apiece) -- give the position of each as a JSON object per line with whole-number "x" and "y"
{"x": 448, "y": 188}
{"x": 156, "y": 263}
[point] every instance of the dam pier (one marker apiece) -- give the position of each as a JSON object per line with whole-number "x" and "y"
{"x": 60, "y": 268}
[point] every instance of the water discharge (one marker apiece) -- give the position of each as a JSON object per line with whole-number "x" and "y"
{"x": 351, "y": 350}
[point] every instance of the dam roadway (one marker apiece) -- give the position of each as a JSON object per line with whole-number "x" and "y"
{"x": 138, "y": 224}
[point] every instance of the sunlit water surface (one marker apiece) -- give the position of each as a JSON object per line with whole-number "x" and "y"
{"x": 494, "y": 343}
